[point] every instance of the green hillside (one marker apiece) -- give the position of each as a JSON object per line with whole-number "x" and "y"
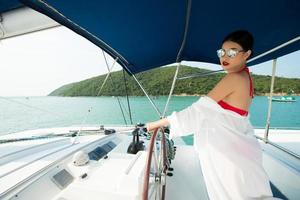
{"x": 158, "y": 82}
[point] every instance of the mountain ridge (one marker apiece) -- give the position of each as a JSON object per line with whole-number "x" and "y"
{"x": 158, "y": 82}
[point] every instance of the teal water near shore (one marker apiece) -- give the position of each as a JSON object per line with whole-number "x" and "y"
{"x": 25, "y": 113}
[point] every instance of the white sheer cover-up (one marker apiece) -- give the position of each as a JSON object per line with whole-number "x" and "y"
{"x": 229, "y": 154}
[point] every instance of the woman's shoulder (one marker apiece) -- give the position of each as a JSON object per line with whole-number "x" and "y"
{"x": 234, "y": 77}
{"x": 236, "y": 80}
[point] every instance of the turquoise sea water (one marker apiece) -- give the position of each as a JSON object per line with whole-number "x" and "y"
{"x": 25, "y": 113}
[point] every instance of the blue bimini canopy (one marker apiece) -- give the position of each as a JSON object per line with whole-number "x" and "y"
{"x": 145, "y": 34}
{"x": 7, "y": 5}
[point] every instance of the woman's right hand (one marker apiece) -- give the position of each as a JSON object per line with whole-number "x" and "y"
{"x": 154, "y": 125}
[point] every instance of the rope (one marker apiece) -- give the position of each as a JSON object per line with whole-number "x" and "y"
{"x": 104, "y": 82}
{"x": 113, "y": 86}
{"x": 128, "y": 104}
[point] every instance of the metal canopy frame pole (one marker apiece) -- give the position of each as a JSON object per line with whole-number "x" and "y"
{"x": 255, "y": 58}
{"x": 171, "y": 90}
{"x": 270, "y": 101}
{"x": 149, "y": 98}
{"x": 275, "y": 49}
{"x": 187, "y": 21}
{"x": 2, "y": 30}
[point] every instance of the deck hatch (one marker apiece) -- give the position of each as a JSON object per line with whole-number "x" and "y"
{"x": 111, "y": 144}
{"x": 101, "y": 151}
{"x": 97, "y": 153}
{"x": 62, "y": 179}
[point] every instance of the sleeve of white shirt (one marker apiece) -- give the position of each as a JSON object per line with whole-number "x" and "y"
{"x": 183, "y": 122}
{"x": 191, "y": 119}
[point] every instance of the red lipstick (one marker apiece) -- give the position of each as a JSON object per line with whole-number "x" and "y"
{"x": 225, "y": 63}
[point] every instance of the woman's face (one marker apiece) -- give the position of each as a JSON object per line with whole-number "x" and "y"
{"x": 233, "y": 64}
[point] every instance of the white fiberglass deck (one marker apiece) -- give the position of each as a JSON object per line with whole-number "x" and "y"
{"x": 187, "y": 181}
{"x": 120, "y": 175}
{"x": 112, "y": 178}
{"x": 16, "y": 172}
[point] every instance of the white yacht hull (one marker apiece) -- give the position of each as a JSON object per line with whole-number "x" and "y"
{"x": 43, "y": 168}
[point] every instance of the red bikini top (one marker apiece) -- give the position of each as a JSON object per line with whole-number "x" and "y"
{"x": 239, "y": 111}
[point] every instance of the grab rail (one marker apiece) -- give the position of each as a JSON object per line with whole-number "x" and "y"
{"x": 279, "y": 147}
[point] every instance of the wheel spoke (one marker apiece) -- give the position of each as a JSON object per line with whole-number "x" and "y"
{"x": 152, "y": 190}
{"x": 156, "y": 193}
{"x": 159, "y": 191}
{"x": 155, "y": 157}
{"x": 161, "y": 158}
{"x": 155, "y": 179}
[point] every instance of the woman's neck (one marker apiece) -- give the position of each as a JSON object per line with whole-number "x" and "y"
{"x": 237, "y": 69}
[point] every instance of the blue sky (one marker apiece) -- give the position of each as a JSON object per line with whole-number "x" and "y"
{"x": 35, "y": 64}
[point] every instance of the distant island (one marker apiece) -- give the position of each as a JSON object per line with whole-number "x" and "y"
{"x": 158, "y": 82}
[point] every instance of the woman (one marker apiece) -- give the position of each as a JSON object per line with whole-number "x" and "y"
{"x": 230, "y": 156}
